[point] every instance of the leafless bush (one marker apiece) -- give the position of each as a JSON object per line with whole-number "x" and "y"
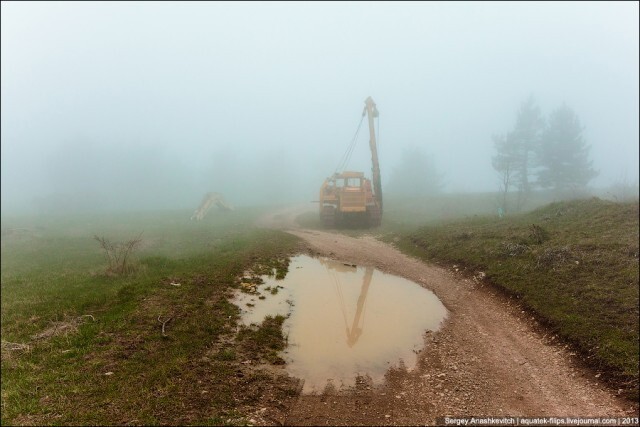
{"x": 119, "y": 254}
{"x": 538, "y": 234}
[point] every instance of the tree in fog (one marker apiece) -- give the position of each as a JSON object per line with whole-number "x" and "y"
{"x": 514, "y": 159}
{"x": 564, "y": 155}
{"x": 505, "y": 162}
{"x": 526, "y": 134}
{"x": 416, "y": 175}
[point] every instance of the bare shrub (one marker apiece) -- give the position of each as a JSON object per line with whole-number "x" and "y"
{"x": 119, "y": 254}
{"x": 538, "y": 234}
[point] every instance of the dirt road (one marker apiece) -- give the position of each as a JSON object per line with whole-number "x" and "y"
{"x": 489, "y": 358}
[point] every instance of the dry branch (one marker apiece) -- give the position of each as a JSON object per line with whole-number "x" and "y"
{"x": 163, "y": 324}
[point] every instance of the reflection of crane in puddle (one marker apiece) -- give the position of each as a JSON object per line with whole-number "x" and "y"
{"x": 353, "y": 332}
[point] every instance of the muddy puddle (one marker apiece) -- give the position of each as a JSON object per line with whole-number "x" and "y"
{"x": 343, "y": 320}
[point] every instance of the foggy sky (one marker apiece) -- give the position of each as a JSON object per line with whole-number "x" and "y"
{"x": 154, "y": 104}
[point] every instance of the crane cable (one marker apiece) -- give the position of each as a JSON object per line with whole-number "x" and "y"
{"x": 347, "y": 155}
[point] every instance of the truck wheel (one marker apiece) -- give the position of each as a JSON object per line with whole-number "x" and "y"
{"x": 328, "y": 216}
{"x": 375, "y": 216}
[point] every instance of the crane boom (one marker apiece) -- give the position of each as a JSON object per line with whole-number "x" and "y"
{"x": 354, "y": 332}
{"x": 372, "y": 111}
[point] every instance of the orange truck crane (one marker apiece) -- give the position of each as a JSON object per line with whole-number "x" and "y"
{"x": 348, "y": 199}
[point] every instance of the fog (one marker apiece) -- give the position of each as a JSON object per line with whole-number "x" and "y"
{"x": 126, "y": 105}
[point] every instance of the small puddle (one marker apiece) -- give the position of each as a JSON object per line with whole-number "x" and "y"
{"x": 344, "y": 320}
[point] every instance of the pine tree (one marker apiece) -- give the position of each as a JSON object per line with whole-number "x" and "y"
{"x": 564, "y": 155}
{"x": 514, "y": 157}
{"x": 526, "y": 136}
{"x": 505, "y": 162}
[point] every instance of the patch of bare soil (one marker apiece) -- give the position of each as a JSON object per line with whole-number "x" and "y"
{"x": 490, "y": 358}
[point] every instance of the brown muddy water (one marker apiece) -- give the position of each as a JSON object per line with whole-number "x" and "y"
{"x": 344, "y": 321}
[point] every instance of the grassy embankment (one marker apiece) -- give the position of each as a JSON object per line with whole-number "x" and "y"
{"x": 83, "y": 347}
{"x": 574, "y": 264}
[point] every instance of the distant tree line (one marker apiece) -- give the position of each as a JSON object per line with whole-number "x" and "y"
{"x": 542, "y": 153}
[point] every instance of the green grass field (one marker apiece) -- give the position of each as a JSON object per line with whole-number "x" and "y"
{"x": 83, "y": 347}
{"x": 574, "y": 264}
